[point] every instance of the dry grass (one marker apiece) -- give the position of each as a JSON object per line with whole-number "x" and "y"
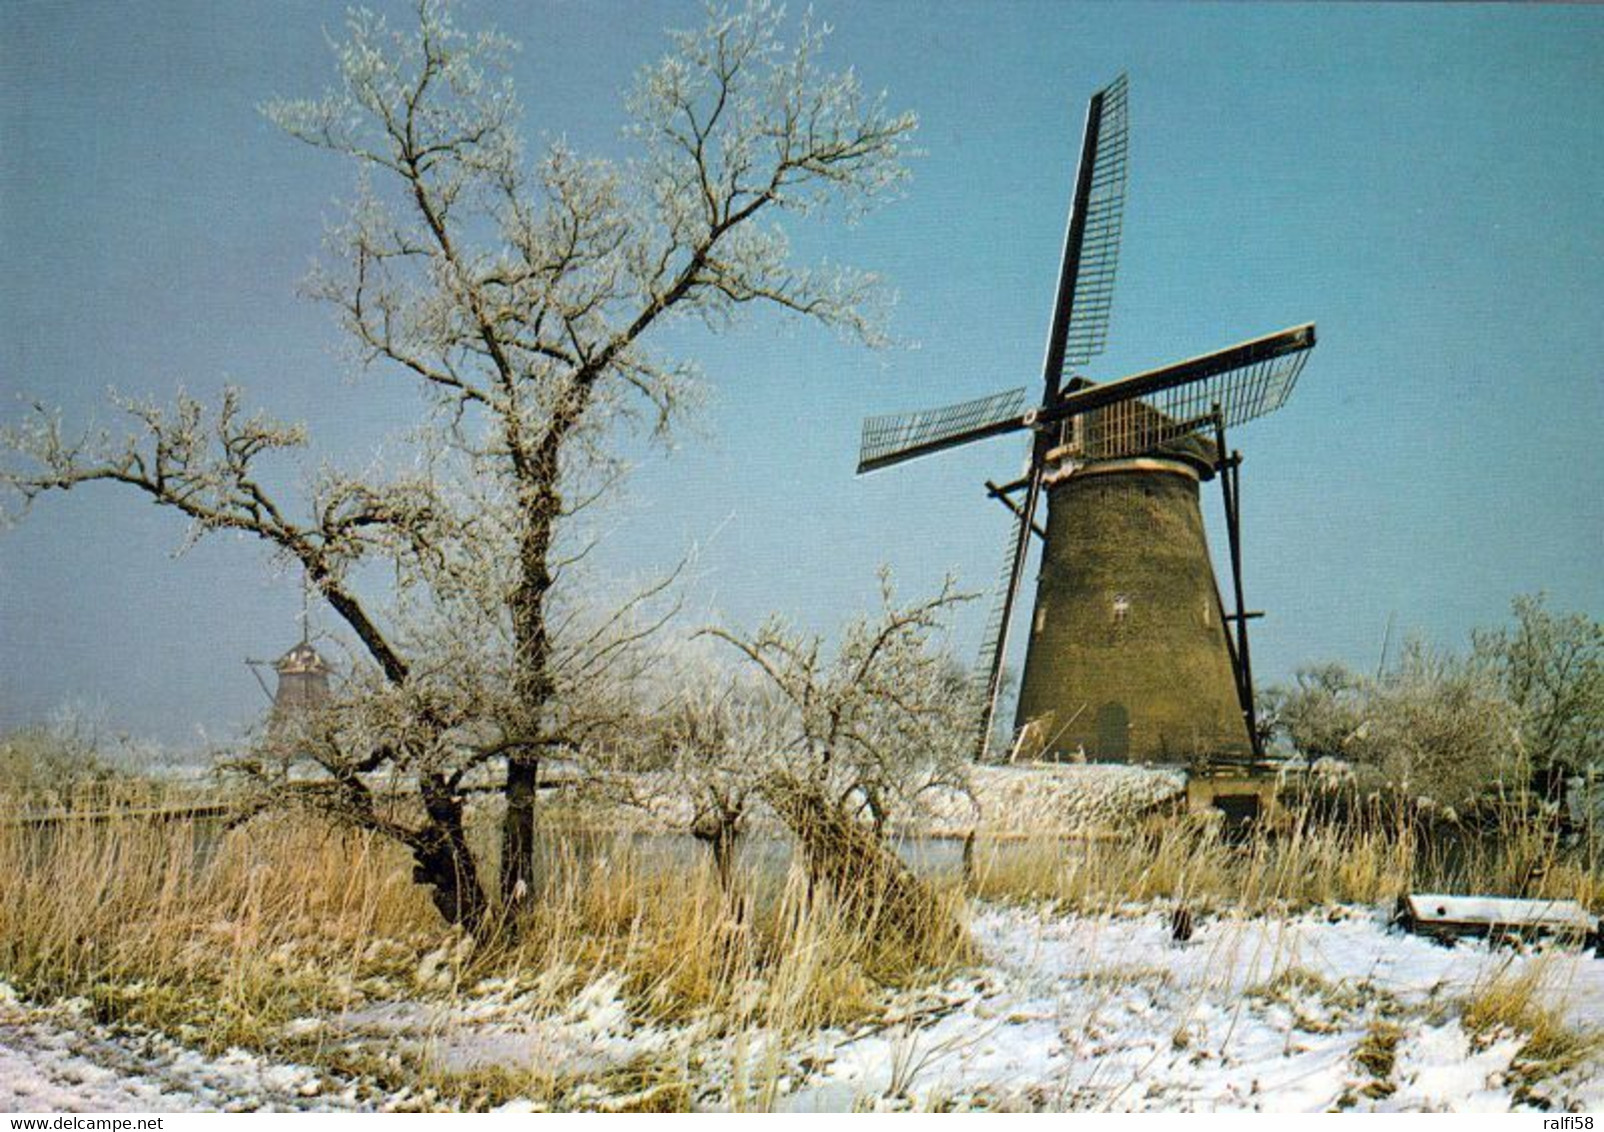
{"x": 687, "y": 948}
{"x": 138, "y": 916}
{"x": 645, "y": 1084}
{"x": 222, "y": 938}
{"x": 1188, "y": 860}
{"x": 1522, "y": 1003}
{"x": 1376, "y": 1056}
{"x": 1298, "y": 863}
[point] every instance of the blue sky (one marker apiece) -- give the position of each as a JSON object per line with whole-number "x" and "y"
{"x": 1424, "y": 183}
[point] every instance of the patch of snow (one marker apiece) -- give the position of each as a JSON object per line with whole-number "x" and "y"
{"x": 1108, "y": 1013}
{"x": 1100, "y": 1012}
{"x": 56, "y": 1060}
{"x": 1441, "y": 1070}
{"x": 1053, "y": 798}
{"x": 497, "y": 1024}
{"x": 1022, "y": 800}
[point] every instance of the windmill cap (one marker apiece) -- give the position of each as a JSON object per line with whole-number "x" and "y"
{"x": 1198, "y": 453}
{"x": 302, "y": 658}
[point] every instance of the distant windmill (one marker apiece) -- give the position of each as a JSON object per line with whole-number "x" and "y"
{"x": 1131, "y": 656}
{"x": 303, "y": 676}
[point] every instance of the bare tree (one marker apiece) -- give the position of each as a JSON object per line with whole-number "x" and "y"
{"x": 1322, "y": 714}
{"x": 717, "y": 738}
{"x": 523, "y": 298}
{"x": 1439, "y": 727}
{"x": 1551, "y": 666}
{"x": 1435, "y": 728}
{"x": 859, "y": 733}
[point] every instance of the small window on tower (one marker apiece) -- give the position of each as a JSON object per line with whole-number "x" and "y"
{"x": 1122, "y": 606}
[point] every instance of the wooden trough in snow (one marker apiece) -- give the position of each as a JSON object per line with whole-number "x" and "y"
{"x": 1448, "y": 918}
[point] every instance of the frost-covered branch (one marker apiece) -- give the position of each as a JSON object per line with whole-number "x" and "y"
{"x": 524, "y": 297}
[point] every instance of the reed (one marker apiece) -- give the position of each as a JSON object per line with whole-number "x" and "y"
{"x": 223, "y": 937}
{"x": 1523, "y": 1002}
{"x": 1301, "y": 861}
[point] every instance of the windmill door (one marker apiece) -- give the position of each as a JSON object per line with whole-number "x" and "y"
{"x": 1113, "y": 732}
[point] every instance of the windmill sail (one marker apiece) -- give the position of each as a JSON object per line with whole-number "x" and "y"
{"x": 896, "y": 437}
{"x": 1243, "y": 394}
{"x": 1128, "y": 428}
{"x": 988, "y": 668}
{"x": 991, "y": 645}
{"x": 1103, "y": 211}
{"x": 993, "y": 640}
{"x": 1137, "y": 413}
{"x": 1085, "y": 296}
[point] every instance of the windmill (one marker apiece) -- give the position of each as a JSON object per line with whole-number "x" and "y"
{"x": 303, "y": 674}
{"x": 1132, "y": 655}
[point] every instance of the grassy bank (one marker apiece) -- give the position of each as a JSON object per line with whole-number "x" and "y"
{"x": 227, "y": 938}
{"x": 1300, "y": 863}
{"x": 248, "y": 937}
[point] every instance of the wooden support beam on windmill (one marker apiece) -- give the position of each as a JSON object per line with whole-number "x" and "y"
{"x": 1001, "y": 495}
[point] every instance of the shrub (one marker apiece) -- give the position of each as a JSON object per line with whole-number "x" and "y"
{"x": 1440, "y": 727}
{"x": 1551, "y": 669}
{"x": 1518, "y": 718}
{"x": 1436, "y": 728}
{"x": 1322, "y": 714}
{"x": 49, "y": 764}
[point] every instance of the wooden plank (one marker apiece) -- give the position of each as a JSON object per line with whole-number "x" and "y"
{"x": 1436, "y": 908}
{"x": 1447, "y": 917}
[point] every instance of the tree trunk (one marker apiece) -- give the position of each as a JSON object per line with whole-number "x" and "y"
{"x": 538, "y": 470}
{"x": 864, "y": 875}
{"x": 532, "y": 683}
{"x": 453, "y": 882}
{"x": 724, "y": 856}
{"x": 720, "y": 834}
{"x": 444, "y": 861}
{"x": 518, "y": 829}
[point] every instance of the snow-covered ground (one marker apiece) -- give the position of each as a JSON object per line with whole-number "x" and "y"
{"x": 1068, "y": 1012}
{"x": 56, "y": 1059}
{"x": 1108, "y": 1013}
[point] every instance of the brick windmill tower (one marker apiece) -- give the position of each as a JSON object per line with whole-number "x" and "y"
{"x": 1132, "y": 654}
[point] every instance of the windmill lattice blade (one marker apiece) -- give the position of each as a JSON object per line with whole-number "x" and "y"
{"x": 1138, "y": 413}
{"x": 897, "y": 437}
{"x": 1105, "y": 217}
{"x": 1242, "y": 394}
{"x": 992, "y": 642}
